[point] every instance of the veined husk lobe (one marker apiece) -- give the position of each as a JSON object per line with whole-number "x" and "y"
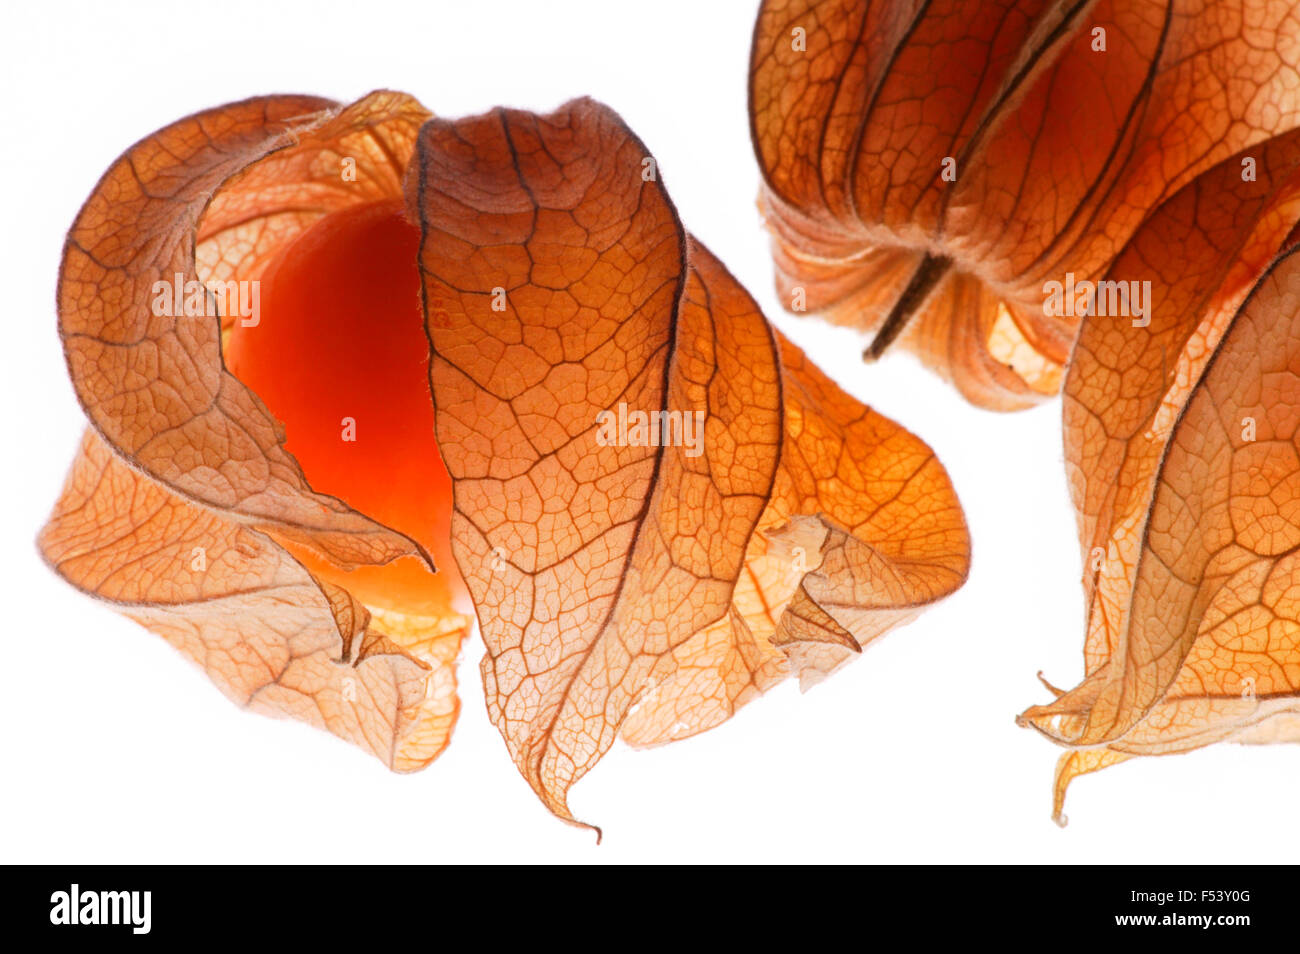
{"x": 631, "y": 588}
{"x": 1180, "y": 440}
{"x": 621, "y": 587}
{"x": 183, "y": 499}
{"x": 272, "y": 637}
{"x": 1023, "y": 141}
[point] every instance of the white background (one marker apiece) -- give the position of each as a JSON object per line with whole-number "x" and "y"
{"x": 115, "y": 749}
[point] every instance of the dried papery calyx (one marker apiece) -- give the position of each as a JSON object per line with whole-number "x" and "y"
{"x": 1181, "y": 442}
{"x": 931, "y": 172}
{"x": 186, "y": 508}
{"x": 488, "y": 345}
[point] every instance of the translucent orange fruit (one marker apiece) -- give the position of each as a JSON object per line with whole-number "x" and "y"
{"x": 340, "y": 356}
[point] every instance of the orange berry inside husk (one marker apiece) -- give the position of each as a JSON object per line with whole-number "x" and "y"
{"x": 339, "y": 354}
